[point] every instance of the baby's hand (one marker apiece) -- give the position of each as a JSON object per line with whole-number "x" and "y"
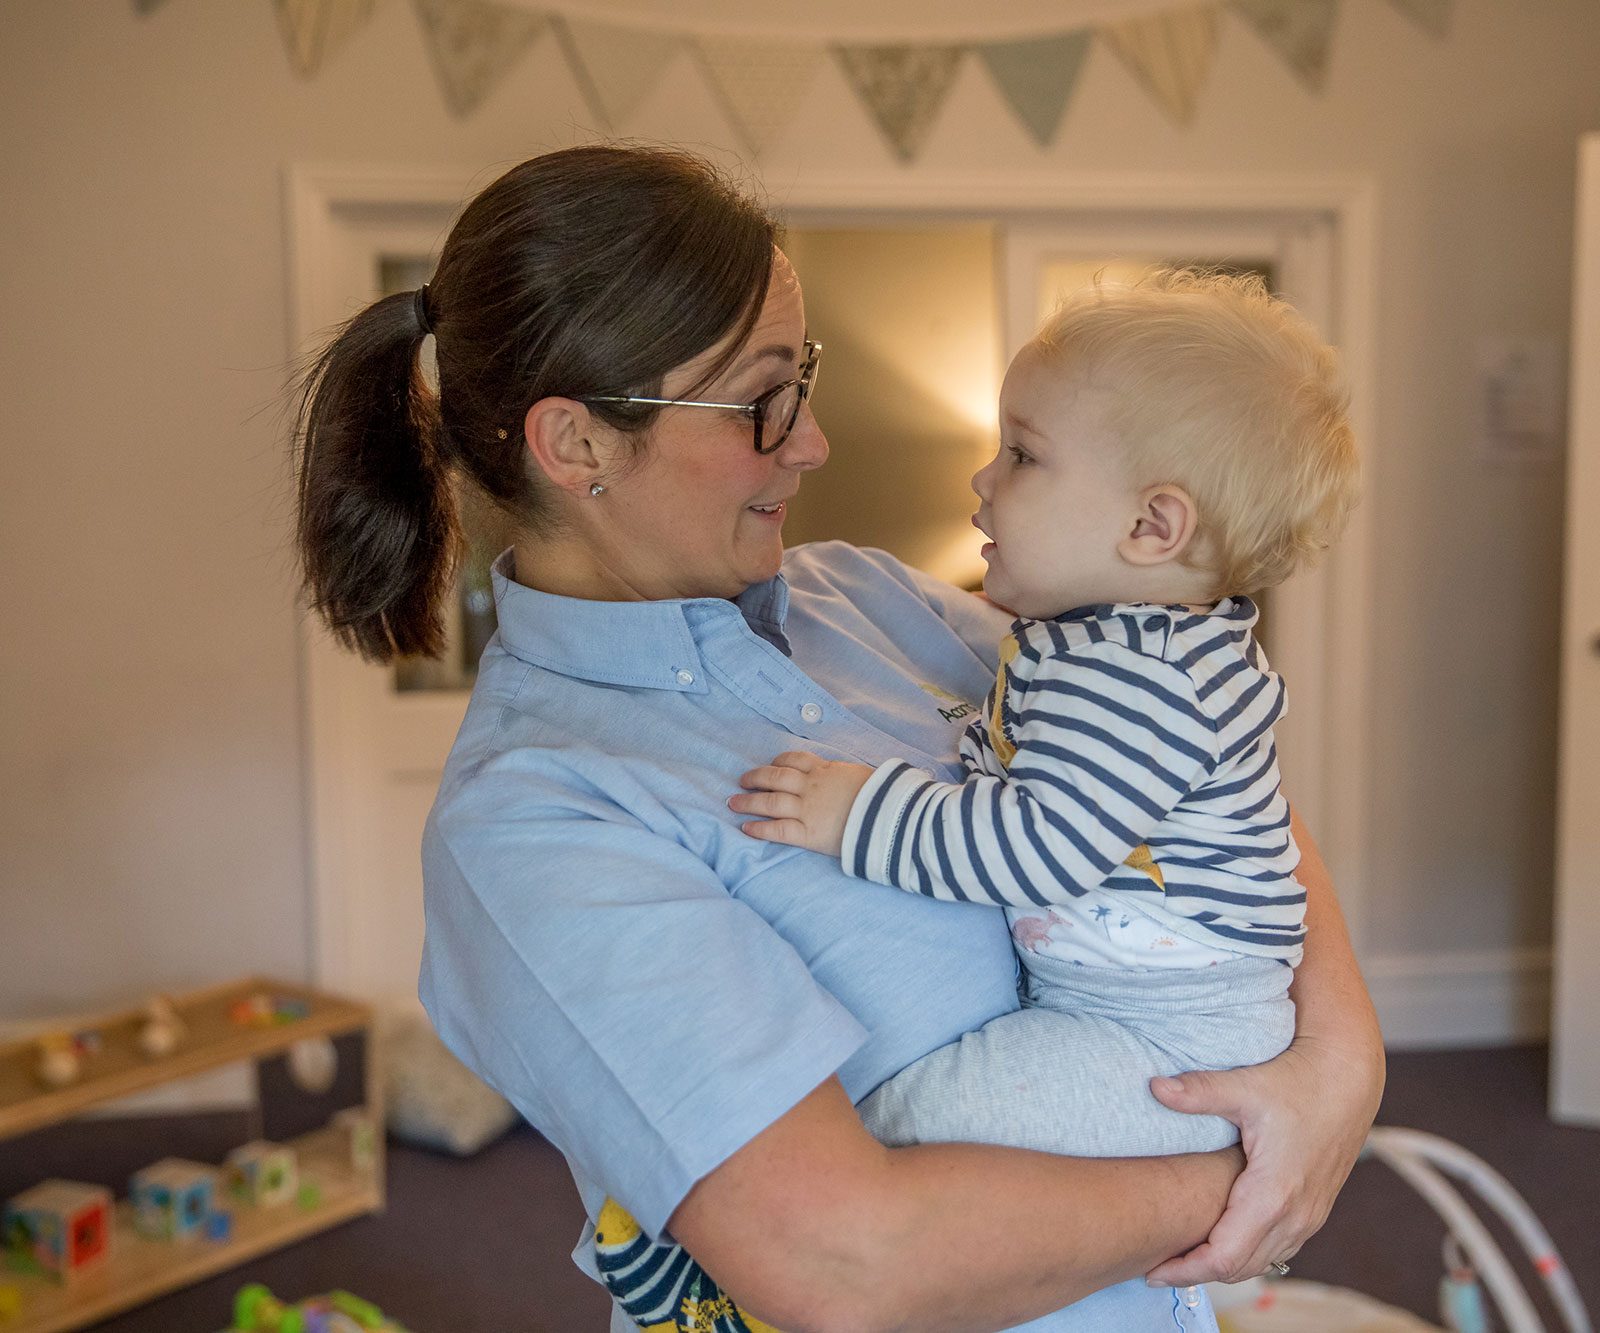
{"x": 805, "y": 800}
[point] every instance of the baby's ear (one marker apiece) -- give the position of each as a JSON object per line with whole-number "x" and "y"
{"x": 1164, "y": 524}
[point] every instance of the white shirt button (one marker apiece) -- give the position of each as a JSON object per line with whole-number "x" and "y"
{"x": 685, "y": 676}
{"x": 811, "y": 712}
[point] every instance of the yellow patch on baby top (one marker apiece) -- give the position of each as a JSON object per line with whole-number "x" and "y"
{"x": 999, "y": 742}
{"x": 1140, "y": 859}
{"x": 702, "y": 1306}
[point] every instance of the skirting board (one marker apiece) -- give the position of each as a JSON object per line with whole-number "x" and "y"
{"x": 1487, "y": 997}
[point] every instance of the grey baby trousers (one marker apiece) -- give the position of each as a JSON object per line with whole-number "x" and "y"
{"x": 1069, "y": 1072}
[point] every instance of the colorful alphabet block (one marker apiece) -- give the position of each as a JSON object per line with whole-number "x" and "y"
{"x": 58, "y": 1229}
{"x": 172, "y": 1199}
{"x": 263, "y": 1173}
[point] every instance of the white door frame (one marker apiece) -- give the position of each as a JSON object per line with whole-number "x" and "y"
{"x": 1323, "y": 228}
{"x": 1574, "y": 1053}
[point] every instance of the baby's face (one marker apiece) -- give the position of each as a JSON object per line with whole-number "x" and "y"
{"x": 1056, "y": 498}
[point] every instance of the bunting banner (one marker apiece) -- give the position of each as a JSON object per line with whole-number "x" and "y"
{"x": 1037, "y": 78}
{"x": 760, "y": 76}
{"x": 314, "y": 29}
{"x": 1300, "y": 31}
{"x": 903, "y": 88}
{"x": 474, "y": 45}
{"x": 759, "y": 82}
{"x": 618, "y": 68}
{"x": 1170, "y": 54}
{"x": 1431, "y": 15}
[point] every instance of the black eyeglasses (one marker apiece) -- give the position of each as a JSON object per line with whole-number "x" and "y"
{"x": 772, "y": 415}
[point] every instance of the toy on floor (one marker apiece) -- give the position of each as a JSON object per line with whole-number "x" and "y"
{"x": 1479, "y": 1291}
{"x": 257, "y": 1310}
{"x": 58, "y": 1229}
{"x": 263, "y": 1174}
{"x": 172, "y": 1199}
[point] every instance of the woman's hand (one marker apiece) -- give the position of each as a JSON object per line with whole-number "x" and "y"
{"x": 805, "y": 801}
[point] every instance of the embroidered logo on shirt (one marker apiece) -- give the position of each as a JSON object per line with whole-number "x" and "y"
{"x": 961, "y": 707}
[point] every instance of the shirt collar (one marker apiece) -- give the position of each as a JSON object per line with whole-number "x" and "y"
{"x": 650, "y": 644}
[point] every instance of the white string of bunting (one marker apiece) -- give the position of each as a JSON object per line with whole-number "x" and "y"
{"x": 759, "y": 79}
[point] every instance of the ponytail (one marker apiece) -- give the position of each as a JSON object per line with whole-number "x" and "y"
{"x": 377, "y": 530}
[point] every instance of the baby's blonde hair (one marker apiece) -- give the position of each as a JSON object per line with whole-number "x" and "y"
{"x": 1221, "y": 388}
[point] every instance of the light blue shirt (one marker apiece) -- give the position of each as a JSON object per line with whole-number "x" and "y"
{"x": 649, "y": 986}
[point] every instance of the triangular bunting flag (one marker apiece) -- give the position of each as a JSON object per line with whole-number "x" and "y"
{"x": 617, "y": 67}
{"x": 1434, "y": 15}
{"x": 314, "y": 29}
{"x": 1169, "y": 53}
{"x": 474, "y": 44}
{"x": 1301, "y": 31}
{"x": 759, "y": 82}
{"x": 1037, "y": 78}
{"x": 902, "y": 86}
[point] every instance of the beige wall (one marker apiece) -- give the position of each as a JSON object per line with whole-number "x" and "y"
{"x": 153, "y": 828}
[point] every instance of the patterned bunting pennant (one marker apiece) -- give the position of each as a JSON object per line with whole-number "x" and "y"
{"x": 1037, "y": 78}
{"x": 475, "y": 44}
{"x": 903, "y": 87}
{"x": 759, "y": 82}
{"x": 1301, "y": 31}
{"x": 314, "y": 29}
{"x": 1433, "y": 15}
{"x": 1169, "y": 53}
{"x": 617, "y": 67}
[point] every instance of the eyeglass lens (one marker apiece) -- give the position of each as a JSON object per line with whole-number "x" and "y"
{"x": 782, "y": 410}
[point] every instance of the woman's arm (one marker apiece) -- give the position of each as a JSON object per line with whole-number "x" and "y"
{"x": 814, "y": 1225}
{"x": 1303, "y": 1116}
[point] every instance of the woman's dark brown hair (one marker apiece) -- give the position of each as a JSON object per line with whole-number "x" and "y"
{"x": 590, "y": 271}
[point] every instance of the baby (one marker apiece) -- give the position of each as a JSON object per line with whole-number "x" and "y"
{"x": 1166, "y": 449}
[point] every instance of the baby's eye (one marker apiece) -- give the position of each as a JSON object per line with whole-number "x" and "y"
{"x": 1018, "y": 454}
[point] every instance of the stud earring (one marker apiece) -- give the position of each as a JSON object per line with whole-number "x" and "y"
{"x": 597, "y": 489}
{"x": 503, "y": 433}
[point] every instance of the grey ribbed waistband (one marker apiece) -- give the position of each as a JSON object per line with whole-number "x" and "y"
{"x": 1241, "y": 981}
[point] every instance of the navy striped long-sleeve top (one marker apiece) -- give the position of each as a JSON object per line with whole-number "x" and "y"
{"x": 1125, "y": 748}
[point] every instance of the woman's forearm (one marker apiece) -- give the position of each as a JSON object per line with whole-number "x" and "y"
{"x": 1014, "y": 1235}
{"x": 814, "y": 1225}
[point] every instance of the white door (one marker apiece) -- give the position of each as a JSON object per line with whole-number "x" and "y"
{"x": 1575, "y": 1045}
{"x": 377, "y": 736}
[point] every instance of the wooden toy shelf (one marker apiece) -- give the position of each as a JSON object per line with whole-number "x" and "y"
{"x": 138, "y": 1270}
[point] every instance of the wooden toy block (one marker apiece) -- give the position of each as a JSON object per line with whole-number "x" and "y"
{"x": 172, "y": 1199}
{"x": 58, "y": 1229}
{"x": 360, "y": 1135}
{"x": 263, "y": 1174}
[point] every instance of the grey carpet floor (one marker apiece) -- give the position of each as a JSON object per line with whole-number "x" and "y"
{"x": 482, "y": 1246}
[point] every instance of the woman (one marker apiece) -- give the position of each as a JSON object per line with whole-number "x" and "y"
{"x": 688, "y": 1013}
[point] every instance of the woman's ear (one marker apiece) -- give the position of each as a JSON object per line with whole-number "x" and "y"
{"x": 558, "y": 433}
{"x": 1164, "y": 524}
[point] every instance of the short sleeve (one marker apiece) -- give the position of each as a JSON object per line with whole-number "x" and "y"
{"x": 603, "y": 979}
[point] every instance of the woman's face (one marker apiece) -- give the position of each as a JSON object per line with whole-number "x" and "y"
{"x": 700, "y": 513}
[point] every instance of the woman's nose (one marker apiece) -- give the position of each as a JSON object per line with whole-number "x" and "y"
{"x": 806, "y": 447}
